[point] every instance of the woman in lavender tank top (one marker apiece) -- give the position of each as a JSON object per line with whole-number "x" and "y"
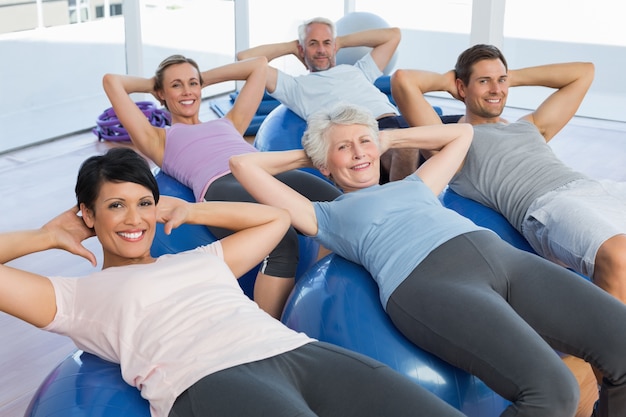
{"x": 199, "y": 157}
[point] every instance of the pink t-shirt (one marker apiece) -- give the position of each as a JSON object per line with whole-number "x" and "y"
{"x": 197, "y": 155}
{"x": 169, "y": 323}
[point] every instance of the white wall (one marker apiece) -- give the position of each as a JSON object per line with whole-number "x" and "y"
{"x": 51, "y": 79}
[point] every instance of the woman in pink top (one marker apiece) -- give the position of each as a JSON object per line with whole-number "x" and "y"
{"x": 196, "y": 153}
{"x": 181, "y": 328}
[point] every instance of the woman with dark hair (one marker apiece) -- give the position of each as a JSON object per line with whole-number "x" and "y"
{"x": 196, "y": 153}
{"x": 454, "y": 289}
{"x": 181, "y": 328}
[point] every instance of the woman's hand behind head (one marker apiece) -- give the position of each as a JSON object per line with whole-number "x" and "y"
{"x": 68, "y": 231}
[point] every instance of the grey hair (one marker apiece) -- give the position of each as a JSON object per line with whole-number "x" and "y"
{"x": 303, "y": 27}
{"x": 315, "y": 141}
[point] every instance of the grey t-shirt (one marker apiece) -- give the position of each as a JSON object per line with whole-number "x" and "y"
{"x": 508, "y": 166}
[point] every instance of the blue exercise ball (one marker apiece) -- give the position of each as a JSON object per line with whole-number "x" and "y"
{"x": 337, "y": 301}
{"x": 282, "y": 130}
{"x": 356, "y": 22}
{"x": 486, "y": 217}
{"x": 84, "y": 385}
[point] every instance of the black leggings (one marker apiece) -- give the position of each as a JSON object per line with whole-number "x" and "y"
{"x": 499, "y": 312}
{"x": 317, "y": 379}
{"x": 283, "y": 260}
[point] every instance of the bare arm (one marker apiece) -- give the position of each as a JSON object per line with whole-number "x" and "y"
{"x": 150, "y": 140}
{"x": 255, "y": 171}
{"x": 571, "y": 81}
{"x": 272, "y": 51}
{"x": 254, "y": 72}
{"x": 451, "y": 142}
{"x": 27, "y": 296}
{"x": 408, "y": 88}
{"x": 258, "y": 228}
{"x": 383, "y": 42}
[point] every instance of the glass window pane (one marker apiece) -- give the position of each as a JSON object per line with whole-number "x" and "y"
{"x": 539, "y": 32}
{"x": 453, "y": 16}
{"x": 579, "y": 21}
{"x": 433, "y": 32}
{"x": 55, "y": 76}
{"x": 200, "y": 29}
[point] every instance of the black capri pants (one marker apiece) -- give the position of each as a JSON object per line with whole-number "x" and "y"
{"x": 317, "y": 379}
{"x": 500, "y": 313}
{"x": 282, "y": 262}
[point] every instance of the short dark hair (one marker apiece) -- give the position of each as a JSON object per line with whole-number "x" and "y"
{"x": 116, "y": 165}
{"x": 472, "y": 55}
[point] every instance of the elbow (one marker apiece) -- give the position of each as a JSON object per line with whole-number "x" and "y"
{"x": 107, "y": 80}
{"x": 237, "y": 165}
{"x": 234, "y": 163}
{"x": 590, "y": 70}
{"x": 399, "y": 79}
{"x": 404, "y": 85}
{"x": 397, "y": 33}
{"x": 468, "y": 132}
{"x": 285, "y": 219}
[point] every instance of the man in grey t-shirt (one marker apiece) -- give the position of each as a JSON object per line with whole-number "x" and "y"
{"x": 535, "y": 191}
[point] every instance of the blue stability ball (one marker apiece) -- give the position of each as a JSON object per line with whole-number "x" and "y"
{"x": 356, "y": 22}
{"x": 336, "y": 301}
{"x": 488, "y": 218}
{"x": 84, "y": 385}
{"x": 282, "y": 130}
{"x": 485, "y": 217}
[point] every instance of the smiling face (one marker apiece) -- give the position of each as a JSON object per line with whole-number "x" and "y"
{"x": 182, "y": 92}
{"x": 319, "y": 47}
{"x": 486, "y": 92}
{"x": 353, "y": 157}
{"x": 123, "y": 217}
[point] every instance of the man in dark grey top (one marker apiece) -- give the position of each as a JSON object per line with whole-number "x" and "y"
{"x": 511, "y": 169}
{"x": 566, "y": 217}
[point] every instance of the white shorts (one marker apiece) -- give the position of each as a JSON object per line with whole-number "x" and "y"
{"x": 568, "y": 225}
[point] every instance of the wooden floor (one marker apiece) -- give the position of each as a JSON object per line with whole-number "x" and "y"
{"x": 38, "y": 183}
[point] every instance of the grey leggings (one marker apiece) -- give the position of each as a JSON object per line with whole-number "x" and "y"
{"x": 317, "y": 379}
{"x": 283, "y": 260}
{"x": 499, "y": 312}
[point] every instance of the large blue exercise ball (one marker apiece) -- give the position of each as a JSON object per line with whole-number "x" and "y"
{"x": 282, "y": 130}
{"x": 486, "y": 217}
{"x": 84, "y": 385}
{"x": 356, "y": 22}
{"x": 336, "y": 301}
